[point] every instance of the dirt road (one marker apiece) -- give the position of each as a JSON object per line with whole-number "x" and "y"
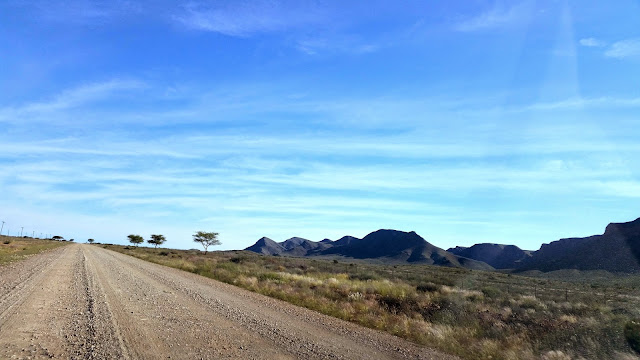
{"x": 85, "y": 302}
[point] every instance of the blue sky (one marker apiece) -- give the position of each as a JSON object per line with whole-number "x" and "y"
{"x": 466, "y": 121}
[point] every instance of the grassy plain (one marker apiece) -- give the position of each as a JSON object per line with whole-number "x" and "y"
{"x": 17, "y": 248}
{"x": 473, "y": 314}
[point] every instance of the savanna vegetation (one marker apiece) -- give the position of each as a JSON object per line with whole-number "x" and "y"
{"x": 474, "y": 314}
{"x": 17, "y": 248}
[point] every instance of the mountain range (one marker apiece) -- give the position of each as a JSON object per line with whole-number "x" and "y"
{"x": 616, "y": 250}
{"x": 388, "y": 246}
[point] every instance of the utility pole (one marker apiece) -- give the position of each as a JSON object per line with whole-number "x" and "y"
{"x": 33, "y": 234}
{"x": 21, "y": 230}
{"x": 1, "y": 228}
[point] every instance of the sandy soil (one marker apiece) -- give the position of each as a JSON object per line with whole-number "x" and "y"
{"x": 85, "y": 302}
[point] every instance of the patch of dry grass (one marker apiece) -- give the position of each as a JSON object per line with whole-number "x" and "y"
{"x": 473, "y": 314}
{"x": 16, "y": 248}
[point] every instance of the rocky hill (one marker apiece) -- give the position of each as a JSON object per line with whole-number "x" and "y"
{"x": 266, "y": 246}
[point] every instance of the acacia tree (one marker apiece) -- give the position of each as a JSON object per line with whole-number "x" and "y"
{"x": 90, "y": 241}
{"x": 206, "y": 239}
{"x": 157, "y": 240}
{"x": 135, "y": 239}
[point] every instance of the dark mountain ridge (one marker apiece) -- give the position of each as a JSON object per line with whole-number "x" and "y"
{"x": 389, "y": 246}
{"x": 497, "y": 255}
{"x": 266, "y": 246}
{"x": 616, "y": 250}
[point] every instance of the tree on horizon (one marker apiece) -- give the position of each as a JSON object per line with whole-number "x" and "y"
{"x": 157, "y": 240}
{"x": 135, "y": 239}
{"x": 206, "y": 239}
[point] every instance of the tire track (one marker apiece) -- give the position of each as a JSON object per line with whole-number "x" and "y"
{"x": 92, "y": 334}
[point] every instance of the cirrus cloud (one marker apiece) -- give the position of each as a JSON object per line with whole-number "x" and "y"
{"x": 629, "y": 48}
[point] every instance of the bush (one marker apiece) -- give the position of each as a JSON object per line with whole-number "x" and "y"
{"x": 397, "y": 304}
{"x": 491, "y": 292}
{"x": 364, "y": 276}
{"x": 7, "y": 242}
{"x": 428, "y": 287}
{"x": 632, "y": 334}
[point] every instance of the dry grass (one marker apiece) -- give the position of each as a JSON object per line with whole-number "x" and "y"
{"x": 474, "y": 314}
{"x": 16, "y": 248}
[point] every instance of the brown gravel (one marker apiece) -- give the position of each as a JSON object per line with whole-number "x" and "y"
{"x": 85, "y": 302}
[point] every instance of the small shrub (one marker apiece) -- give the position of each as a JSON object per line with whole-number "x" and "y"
{"x": 7, "y": 241}
{"x": 364, "y": 276}
{"x": 269, "y": 276}
{"x": 428, "y": 287}
{"x": 491, "y": 292}
{"x": 632, "y": 334}
{"x": 164, "y": 253}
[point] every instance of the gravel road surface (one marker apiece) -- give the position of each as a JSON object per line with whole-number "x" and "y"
{"x": 85, "y": 302}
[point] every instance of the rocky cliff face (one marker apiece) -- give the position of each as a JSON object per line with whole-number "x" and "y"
{"x": 617, "y": 250}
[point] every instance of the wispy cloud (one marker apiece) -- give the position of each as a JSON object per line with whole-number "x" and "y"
{"x": 336, "y": 44}
{"x": 80, "y": 12}
{"x": 70, "y": 98}
{"x": 582, "y": 102}
{"x": 629, "y": 48}
{"x": 342, "y": 171}
{"x": 246, "y": 18}
{"x": 499, "y": 16}
{"x": 592, "y": 42}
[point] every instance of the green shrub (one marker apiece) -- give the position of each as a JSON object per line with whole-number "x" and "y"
{"x": 397, "y": 304}
{"x": 236, "y": 260}
{"x": 632, "y": 334}
{"x": 428, "y": 287}
{"x": 364, "y": 276}
{"x": 269, "y": 276}
{"x": 491, "y": 292}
